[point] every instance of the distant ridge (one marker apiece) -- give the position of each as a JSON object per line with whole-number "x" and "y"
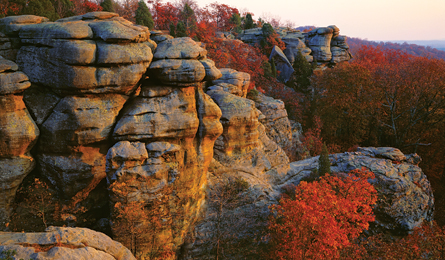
{"x": 433, "y": 48}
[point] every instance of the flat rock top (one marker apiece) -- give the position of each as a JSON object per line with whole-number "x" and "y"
{"x": 106, "y": 26}
{"x": 23, "y": 19}
{"x": 179, "y": 48}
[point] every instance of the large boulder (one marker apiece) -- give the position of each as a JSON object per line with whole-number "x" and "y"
{"x": 63, "y": 243}
{"x": 283, "y": 65}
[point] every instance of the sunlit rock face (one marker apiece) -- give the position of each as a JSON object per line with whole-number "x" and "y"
{"x": 83, "y": 69}
{"x": 18, "y": 134}
{"x": 164, "y": 137}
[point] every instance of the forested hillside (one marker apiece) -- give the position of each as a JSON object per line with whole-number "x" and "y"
{"x": 356, "y": 43}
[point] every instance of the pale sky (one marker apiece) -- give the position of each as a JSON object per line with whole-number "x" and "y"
{"x": 376, "y": 20}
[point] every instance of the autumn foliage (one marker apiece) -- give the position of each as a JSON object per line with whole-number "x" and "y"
{"x": 323, "y": 217}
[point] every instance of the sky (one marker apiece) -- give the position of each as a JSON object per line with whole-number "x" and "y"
{"x": 376, "y": 20}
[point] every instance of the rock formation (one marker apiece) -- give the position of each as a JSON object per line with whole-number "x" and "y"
{"x": 18, "y": 134}
{"x": 325, "y": 44}
{"x": 63, "y": 243}
{"x": 112, "y": 105}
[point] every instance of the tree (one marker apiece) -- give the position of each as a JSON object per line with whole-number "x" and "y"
{"x": 164, "y": 15}
{"x": 143, "y": 15}
{"x": 324, "y": 165}
{"x": 41, "y": 8}
{"x": 137, "y": 225}
{"x": 226, "y": 196}
{"x": 300, "y": 80}
{"x": 248, "y": 22}
{"x": 107, "y": 6}
{"x": 181, "y": 31}
{"x": 235, "y": 23}
{"x": 188, "y": 19}
{"x": 222, "y": 14}
{"x": 325, "y": 216}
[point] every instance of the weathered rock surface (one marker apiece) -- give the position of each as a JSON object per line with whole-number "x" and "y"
{"x": 240, "y": 123}
{"x": 99, "y": 53}
{"x": 182, "y": 61}
{"x": 63, "y": 243}
{"x": 405, "y": 195}
{"x": 282, "y": 64}
{"x": 277, "y": 125}
{"x": 240, "y": 80}
{"x": 165, "y": 136}
{"x": 325, "y": 44}
{"x": 319, "y": 41}
{"x": 18, "y": 134}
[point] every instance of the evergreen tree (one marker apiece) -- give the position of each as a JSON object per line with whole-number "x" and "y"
{"x": 303, "y": 71}
{"x": 143, "y": 15}
{"x": 235, "y": 21}
{"x": 41, "y": 8}
{"x": 188, "y": 21}
{"x": 248, "y": 22}
{"x": 107, "y": 6}
{"x": 324, "y": 165}
{"x": 273, "y": 68}
{"x": 181, "y": 31}
{"x": 172, "y": 30}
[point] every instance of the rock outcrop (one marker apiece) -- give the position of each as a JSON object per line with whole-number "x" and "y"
{"x": 18, "y": 134}
{"x": 165, "y": 135}
{"x": 106, "y": 110}
{"x": 63, "y": 243}
{"x": 325, "y": 44}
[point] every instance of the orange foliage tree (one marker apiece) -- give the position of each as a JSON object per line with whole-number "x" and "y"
{"x": 138, "y": 225}
{"x": 324, "y": 217}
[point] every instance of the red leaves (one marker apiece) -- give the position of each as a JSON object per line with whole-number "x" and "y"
{"x": 323, "y": 218}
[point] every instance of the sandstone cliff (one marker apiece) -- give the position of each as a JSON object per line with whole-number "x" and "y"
{"x": 101, "y": 101}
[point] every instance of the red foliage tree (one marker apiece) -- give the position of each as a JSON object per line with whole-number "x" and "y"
{"x": 325, "y": 216}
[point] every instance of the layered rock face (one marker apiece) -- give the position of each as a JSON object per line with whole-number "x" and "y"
{"x": 63, "y": 243}
{"x": 243, "y": 152}
{"x": 82, "y": 70}
{"x": 405, "y": 198}
{"x": 325, "y": 44}
{"x": 165, "y": 136}
{"x": 18, "y": 134}
{"x": 100, "y": 115}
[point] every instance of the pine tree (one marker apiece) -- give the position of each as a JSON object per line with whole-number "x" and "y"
{"x": 172, "y": 30}
{"x": 107, "y": 6}
{"x": 41, "y": 8}
{"x": 324, "y": 165}
{"x": 235, "y": 21}
{"x": 273, "y": 67}
{"x": 248, "y": 22}
{"x": 143, "y": 15}
{"x": 181, "y": 31}
{"x": 188, "y": 21}
{"x": 303, "y": 71}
